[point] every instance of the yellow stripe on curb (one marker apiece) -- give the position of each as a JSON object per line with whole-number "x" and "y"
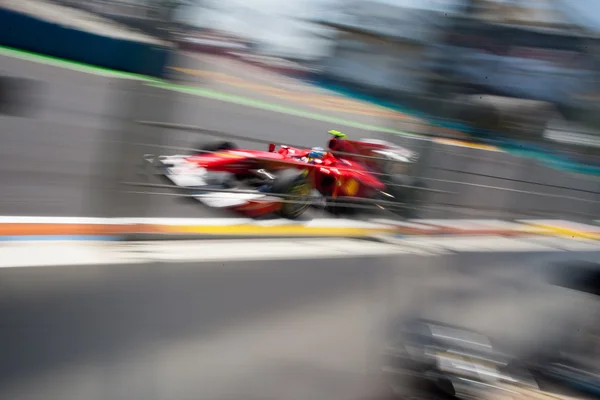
{"x": 53, "y": 226}
{"x": 563, "y": 232}
{"x": 241, "y": 230}
{"x": 533, "y": 230}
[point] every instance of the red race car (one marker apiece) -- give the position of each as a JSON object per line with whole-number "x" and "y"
{"x": 377, "y": 155}
{"x": 284, "y": 180}
{"x": 392, "y": 164}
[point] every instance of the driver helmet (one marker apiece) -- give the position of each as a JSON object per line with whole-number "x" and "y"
{"x": 334, "y": 143}
{"x": 316, "y": 153}
{"x": 337, "y": 134}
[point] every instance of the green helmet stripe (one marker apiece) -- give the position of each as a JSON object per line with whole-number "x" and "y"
{"x": 337, "y": 134}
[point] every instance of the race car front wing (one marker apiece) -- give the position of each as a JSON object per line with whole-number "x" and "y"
{"x": 212, "y": 188}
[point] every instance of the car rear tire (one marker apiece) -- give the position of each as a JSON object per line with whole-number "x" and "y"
{"x": 294, "y": 183}
{"x": 217, "y": 146}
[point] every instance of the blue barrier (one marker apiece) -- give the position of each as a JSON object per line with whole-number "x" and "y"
{"x": 31, "y": 34}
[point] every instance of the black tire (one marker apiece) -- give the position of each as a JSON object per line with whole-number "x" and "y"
{"x": 294, "y": 183}
{"x": 217, "y": 146}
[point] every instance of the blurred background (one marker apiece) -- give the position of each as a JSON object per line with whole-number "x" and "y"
{"x": 497, "y": 97}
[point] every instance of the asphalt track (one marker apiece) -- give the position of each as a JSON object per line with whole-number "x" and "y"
{"x": 59, "y": 156}
{"x": 285, "y": 329}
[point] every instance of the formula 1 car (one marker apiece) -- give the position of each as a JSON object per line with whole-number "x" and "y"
{"x": 284, "y": 181}
{"x": 392, "y": 164}
{"x": 378, "y": 155}
{"x": 430, "y": 359}
{"x": 288, "y": 181}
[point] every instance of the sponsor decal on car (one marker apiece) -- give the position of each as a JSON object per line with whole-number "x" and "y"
{"x": 351, "y": 187}
{"x": 230, "y": 155}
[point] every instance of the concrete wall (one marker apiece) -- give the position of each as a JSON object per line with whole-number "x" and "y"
{"x": 501, "y": 185}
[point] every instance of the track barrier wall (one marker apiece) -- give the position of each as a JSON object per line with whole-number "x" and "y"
{"x": 483, "y": 182}
{"x": 31, "y": 34}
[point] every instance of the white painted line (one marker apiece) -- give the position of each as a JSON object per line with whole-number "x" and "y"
{"x": 470, "y": 224}
{"x": 265, "y": 250}
{"x": 475, "y": 244}
{"x": 418, "y": 248}
{"x": 567, "y": 244}
{"x": 495, "y": 244}
{"x": 190, "y": 221}
{"x": 343, "y": 223}
{"x": 46, "y": 254}
{"x": 318, "y": 223}
{"x": 60, "y": 220}
{"x": 278, "y": 222}
{"x": 414, "y": 224}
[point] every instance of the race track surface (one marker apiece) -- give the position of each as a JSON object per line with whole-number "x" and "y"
{"x": 57, "y": 159}
{"x": 60, "y": 156}
{"x": 264, "y": 329}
